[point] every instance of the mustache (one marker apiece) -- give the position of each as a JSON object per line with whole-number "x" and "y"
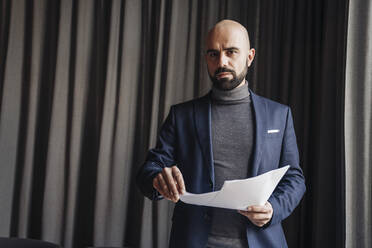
{"x": 222, "y": 69}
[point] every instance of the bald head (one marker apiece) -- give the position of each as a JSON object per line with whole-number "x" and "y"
{"x": 228, "y": 54}
{"x": 229, "y": 27}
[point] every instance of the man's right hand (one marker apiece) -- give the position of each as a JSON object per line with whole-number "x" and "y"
{"x": 169, "y": 183}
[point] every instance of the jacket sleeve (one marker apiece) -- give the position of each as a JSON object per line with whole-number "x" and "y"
{"x": 291, "y": 188}
{"x": 163, "y": 155}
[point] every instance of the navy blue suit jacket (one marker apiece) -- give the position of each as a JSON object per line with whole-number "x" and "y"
{"x": 185, "y": 141}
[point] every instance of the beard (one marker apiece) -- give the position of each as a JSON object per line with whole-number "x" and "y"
{"x": 228, "y": 84}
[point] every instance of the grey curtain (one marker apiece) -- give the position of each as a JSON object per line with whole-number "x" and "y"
{"x": 85, "y": 86}
{"x": 358, "y": 126}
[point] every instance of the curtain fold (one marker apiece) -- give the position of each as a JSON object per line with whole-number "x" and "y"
{"x": 11, "y": 86}
{"x": 358, "y": 125}
{"x": 86, "y": 85}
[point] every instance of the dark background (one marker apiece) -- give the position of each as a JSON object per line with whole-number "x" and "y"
{"x": 85, "y": 86}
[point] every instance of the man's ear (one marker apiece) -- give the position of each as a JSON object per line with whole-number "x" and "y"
{"x": 250, "y": 57}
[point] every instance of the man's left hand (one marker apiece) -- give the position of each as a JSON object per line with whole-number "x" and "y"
{"x": 258, "y": 215}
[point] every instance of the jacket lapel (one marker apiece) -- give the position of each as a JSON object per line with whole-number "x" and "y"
{"x": 202, "y": 110}
{"x": 259, "y": 109}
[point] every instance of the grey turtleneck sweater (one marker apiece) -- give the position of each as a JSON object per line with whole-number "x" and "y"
{"x": 232, "y": 143}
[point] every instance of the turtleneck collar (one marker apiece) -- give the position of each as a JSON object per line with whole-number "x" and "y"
{"x": 235, "y": 95}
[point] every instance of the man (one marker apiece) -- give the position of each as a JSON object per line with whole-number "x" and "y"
{"x": 231, "y": 133}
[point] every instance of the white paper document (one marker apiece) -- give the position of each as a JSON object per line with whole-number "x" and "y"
{"x": 239, "y": 194}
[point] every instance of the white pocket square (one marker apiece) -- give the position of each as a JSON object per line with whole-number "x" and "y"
{"x": 273, "y": 131}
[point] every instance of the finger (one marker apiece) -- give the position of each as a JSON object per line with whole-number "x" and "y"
{"x": 256, "y": 222}
{"x": 157, "y": 186}
{"x": 167, "y": 174}
{"x": 177, "y": 175}
{"x": 259, "y": 209}
{"x": 259, "y": 217}
{"x": 255, "y": 216}
{"x": 163, "y": 185}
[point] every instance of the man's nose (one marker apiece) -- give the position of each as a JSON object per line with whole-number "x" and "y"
{"x": 222, "y": 60}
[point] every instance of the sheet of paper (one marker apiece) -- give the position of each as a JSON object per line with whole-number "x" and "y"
{"x": 239, "y": 194}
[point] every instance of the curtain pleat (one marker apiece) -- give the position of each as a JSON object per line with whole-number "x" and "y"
{"x": 11, "y": 86}
{"x": 358, "y": 126}
{"x": 86, "y": 85}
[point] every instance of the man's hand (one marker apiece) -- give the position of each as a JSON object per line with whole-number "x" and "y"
{"x": 258, "y": 215}
{"x": 169, "y": 183}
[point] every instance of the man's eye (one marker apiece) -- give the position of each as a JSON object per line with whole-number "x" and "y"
{"x": 212, "y": 54}
{"x": 231, "y": 52}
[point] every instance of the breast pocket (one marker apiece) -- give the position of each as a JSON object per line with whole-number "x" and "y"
{"x": 272, "y": 134}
